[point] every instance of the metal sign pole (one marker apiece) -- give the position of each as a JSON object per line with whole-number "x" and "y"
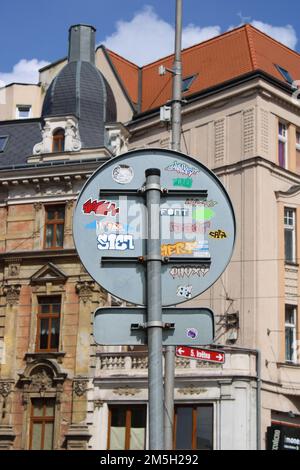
{"x": 154, "y": 311}
{"x": 176, "y": 138}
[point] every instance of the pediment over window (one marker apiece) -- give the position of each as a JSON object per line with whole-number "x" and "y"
{"x": 293, "y": 191}
{"x": 49, "y": 273}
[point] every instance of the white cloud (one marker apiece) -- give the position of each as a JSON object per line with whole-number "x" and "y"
{"x": 284, "y": 34}
{"x": 147, "y": 37}
{"x": 25, "y": 71}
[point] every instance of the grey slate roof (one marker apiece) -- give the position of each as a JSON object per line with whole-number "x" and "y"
{"x": 81, "y": 90}
{"x": 22, "y": 136}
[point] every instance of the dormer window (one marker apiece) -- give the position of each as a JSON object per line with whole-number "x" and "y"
{"x": 286, "y": 74}
{"x": 58, "y": 141}
{"x": 187, "y": 83}
{"x": 3, "y": 142}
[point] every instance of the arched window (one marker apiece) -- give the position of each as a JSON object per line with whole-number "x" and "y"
{"x": 58, "y": 140}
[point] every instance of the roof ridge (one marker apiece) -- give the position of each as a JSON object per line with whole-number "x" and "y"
{"x": 250, "y": 26}
{"x": 129, "y": 62}
{"x": 251, "y": 47}
{"x": 199, "y": 44}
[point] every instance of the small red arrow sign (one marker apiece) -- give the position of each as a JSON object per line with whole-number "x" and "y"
{"x": 201, "y": 354}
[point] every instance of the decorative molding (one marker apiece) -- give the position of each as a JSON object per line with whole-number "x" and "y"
{"x": 49, "y": 273}
{"x": 192, "y": 390}
{"x": 126, "y": 391}
{"x": 98, "y": 404}
{"x": 72, "y": 139}
{"x": 42, "y": 377}
{"x": 85, "y": 290}
{"x": 118, "y": 138}
{"x": 12, "y": 293}
{"x": 5, "y": 388}
{"x": 38, "y": 206}
{"x": 41, "y": 381}
{"x": 80, "y": 387}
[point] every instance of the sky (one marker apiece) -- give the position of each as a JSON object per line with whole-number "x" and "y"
{"x": 34, "y": 33}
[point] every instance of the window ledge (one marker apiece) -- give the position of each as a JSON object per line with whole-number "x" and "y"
{"x": 291, "y": 263}
{"x": 291, "y": 365}
{"x": 30, "y": 357}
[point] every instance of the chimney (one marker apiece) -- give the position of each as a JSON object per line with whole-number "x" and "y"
{"x": 82, "y": 43}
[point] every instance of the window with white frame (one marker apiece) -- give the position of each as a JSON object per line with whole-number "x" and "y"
{"x": 291, "y": 333}
{"x": 23, "y": 111}
{"x": 290, "y": 235}
{"x": 282, "y": 145}
{"x": 298, "y": 150}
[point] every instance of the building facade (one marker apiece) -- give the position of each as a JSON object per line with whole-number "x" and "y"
{"x": 241, "y": 118}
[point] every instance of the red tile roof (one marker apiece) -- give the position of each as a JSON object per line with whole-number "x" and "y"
{"x": 218, "y": 60}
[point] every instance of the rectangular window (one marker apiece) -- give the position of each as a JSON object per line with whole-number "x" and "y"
{"x": 282, "y": 145}
{"x": 194, "y": 427}
{"x": 54, "y": 227}
{"x": 23, "y": 112}
{"x": 48, "y": 324}
{"x": 290, "y": 235}
{"x": 42, "y": 424}
{"x": 291, "y": 333}
{"x": 298, "y": 151}
{"x": 127, "y": 427}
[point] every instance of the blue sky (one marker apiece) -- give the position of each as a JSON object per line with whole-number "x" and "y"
{"x": 34, "y": 32}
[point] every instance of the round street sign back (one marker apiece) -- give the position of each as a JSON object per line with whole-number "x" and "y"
{"x": 197, "y": 226}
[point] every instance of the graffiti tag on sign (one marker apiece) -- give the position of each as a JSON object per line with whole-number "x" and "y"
{"x": 100, "y": 208}
{"x": 185, "y": 291}
{"x": 189, "y": 228}
{"x": 189, "y": 271}
{"x": 200, "y": 202}
{"x": 110, "y": 226}
{"x": 182, "y": 169}
{"x": 183, "y": 182}
{"x": 180, "y": 248}
{"x": 178, "y": 211}
{"x": 218, "y": 234}
{"x": 115, "y": 242}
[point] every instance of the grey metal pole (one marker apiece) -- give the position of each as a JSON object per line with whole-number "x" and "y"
{"x": 176, "y": 140}
{"x": 177, "y": 81}
{"x": 154, "y": 311}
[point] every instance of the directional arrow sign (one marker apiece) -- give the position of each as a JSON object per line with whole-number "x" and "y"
{"x": 206, "y": 355}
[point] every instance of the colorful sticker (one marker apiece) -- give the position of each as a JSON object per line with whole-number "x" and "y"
{"x": 101, "y": 208}
{"x": 192, "y": 333}
{"x": 218, "y": 234}
{"x": 203, "y": 214}
{"x": 182, "y": 169}
{"x": 189, "y": 228}
{"x": 202, "y": 249}
{"x": 183, "y": 182}
{"x": 185, "y": 291}
{"x": 180, "y": 248}
{"x": 110, "y": 226}
{"x": 123, "y": 174}
{"x": 115, "y": 242}
{"x": 189, "y": 271}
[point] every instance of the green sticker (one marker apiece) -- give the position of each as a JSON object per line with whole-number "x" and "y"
{"x": 184, "y": 182}
{"x": 203, "y": 213}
